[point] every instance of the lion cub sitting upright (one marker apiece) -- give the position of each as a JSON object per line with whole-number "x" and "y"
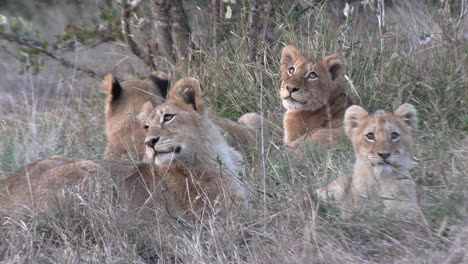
{"x": 382, "y": 144}
{"x": 189, "y": 166}
{"x": 313, "y": 97}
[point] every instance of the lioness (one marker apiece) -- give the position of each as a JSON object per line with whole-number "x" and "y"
{"x": 124, "y": 99}
{"x": 124, "y": 102}
{"x": 189, "y": 165}
{"x": 382, "y": 144}
{"x": 314, "y": 99}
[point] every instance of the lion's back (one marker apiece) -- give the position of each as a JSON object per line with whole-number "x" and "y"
{"x": 31, "y": 184}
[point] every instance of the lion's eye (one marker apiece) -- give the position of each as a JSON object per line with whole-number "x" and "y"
{"x": 291, "y": 70}
{"x": 370, "y": 136}
{"x": 168, "y": 117}
{"x": 312, "y": 76}
{"x": 146, "y": 127}
{"x": 395, "y": 135}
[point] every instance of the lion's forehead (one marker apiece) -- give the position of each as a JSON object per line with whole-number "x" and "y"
{"x": 387, "y": 122}
{"x": 156, "y": 116}
{"x": 385, "y": 126}
{"x": 304, "y": 64}
{"x": 165, "y": 109}
{"x": 307, "y": 64}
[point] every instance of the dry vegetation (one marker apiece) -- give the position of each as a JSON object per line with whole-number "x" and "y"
{"x": 286, "y": 225}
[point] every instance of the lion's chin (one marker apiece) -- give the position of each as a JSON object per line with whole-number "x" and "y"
{"x": 394, "y": 162}
{"x": 290, "y": 104}
{"x": 382, "y": 168}
{"x": 164, "y": 159}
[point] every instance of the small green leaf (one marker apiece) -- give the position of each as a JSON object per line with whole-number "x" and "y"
{"x": 346, "y": 10}
{"x": 3, "y": 20}
{"x": 36, "y": 70}
{"x": 464, "y": 123}
{"x": 228, "y": 14}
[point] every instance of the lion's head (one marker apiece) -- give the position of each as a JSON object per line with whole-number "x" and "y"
{"x": 308, "y": 83}
{"x": 128, "y": 96}
{"x": 124, "y": 101}
{"x": 180, "y": 128}
{"x": 383, "y": 138}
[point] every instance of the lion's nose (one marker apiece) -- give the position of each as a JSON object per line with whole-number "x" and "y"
{"x": 384, "y": 155}
{"x": 292, "y": 89}
{"x": 151, "y": 142}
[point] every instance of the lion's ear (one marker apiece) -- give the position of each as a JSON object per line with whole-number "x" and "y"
{"x": 188, "y": 91}
{"x": 112, "y": 87}
{"x": 289, "y": 54}
{"x": 161, "y": 80}
{"x": 409, "y": 115}
{"x": 337, "y": 65}
{"x": 353, "y": 115}
{"x": 146, "y": 110}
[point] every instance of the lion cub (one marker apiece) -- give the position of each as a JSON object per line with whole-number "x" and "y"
{"x": 382, "y": 145}
{"x": 314, "y": 99}
{"x": 189, "y": 166}
{"x": 123, "y": 104}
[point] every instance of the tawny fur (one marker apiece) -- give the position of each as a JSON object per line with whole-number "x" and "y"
{"x": 383, "y": 164}
{"x": 246, "y": 134}
{"x": 189, "y": 168}
{"x": 315, "y": 101}
{"x": 124, "y": 136}
{"x": 123, "y": 103}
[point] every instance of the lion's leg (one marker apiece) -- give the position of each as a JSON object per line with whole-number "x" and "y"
{"x": 244, "y": 134}
{"x": 325, "y": 137}
{"x": 36, "y": 184}
{"x": 295, "y": 144}
{"x": 258, "y": 127}
{"x": 336, "y": 190}
{"x": 400, "y": 199}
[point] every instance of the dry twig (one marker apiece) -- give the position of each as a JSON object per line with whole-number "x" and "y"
{"x": 32, "y": 44}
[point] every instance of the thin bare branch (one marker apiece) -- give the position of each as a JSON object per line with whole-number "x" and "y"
{"x": 33, "y": 44}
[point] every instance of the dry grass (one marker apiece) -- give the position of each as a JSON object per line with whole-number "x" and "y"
{"x": 287, "y": 225}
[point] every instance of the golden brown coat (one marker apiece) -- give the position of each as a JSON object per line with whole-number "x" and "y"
{"x": 189, "y": 165}
{"x": 124, "y": 101}
{"x": 312, "y": 93}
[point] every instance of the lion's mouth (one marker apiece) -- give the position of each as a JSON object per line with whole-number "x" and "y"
{"x": 377, "y": 163}
{"x": 290, "y": 103}
{"x": 289, "y": 98}
{"x": 162, "y": 151}
{"x": 382, "y": 163}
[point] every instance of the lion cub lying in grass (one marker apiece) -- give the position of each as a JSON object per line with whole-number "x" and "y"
{"x": 315, "y": 101}
{"x": 123, "y": 104}
{"x": 382, "y": 143}
{"x": 189, "y": 164}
